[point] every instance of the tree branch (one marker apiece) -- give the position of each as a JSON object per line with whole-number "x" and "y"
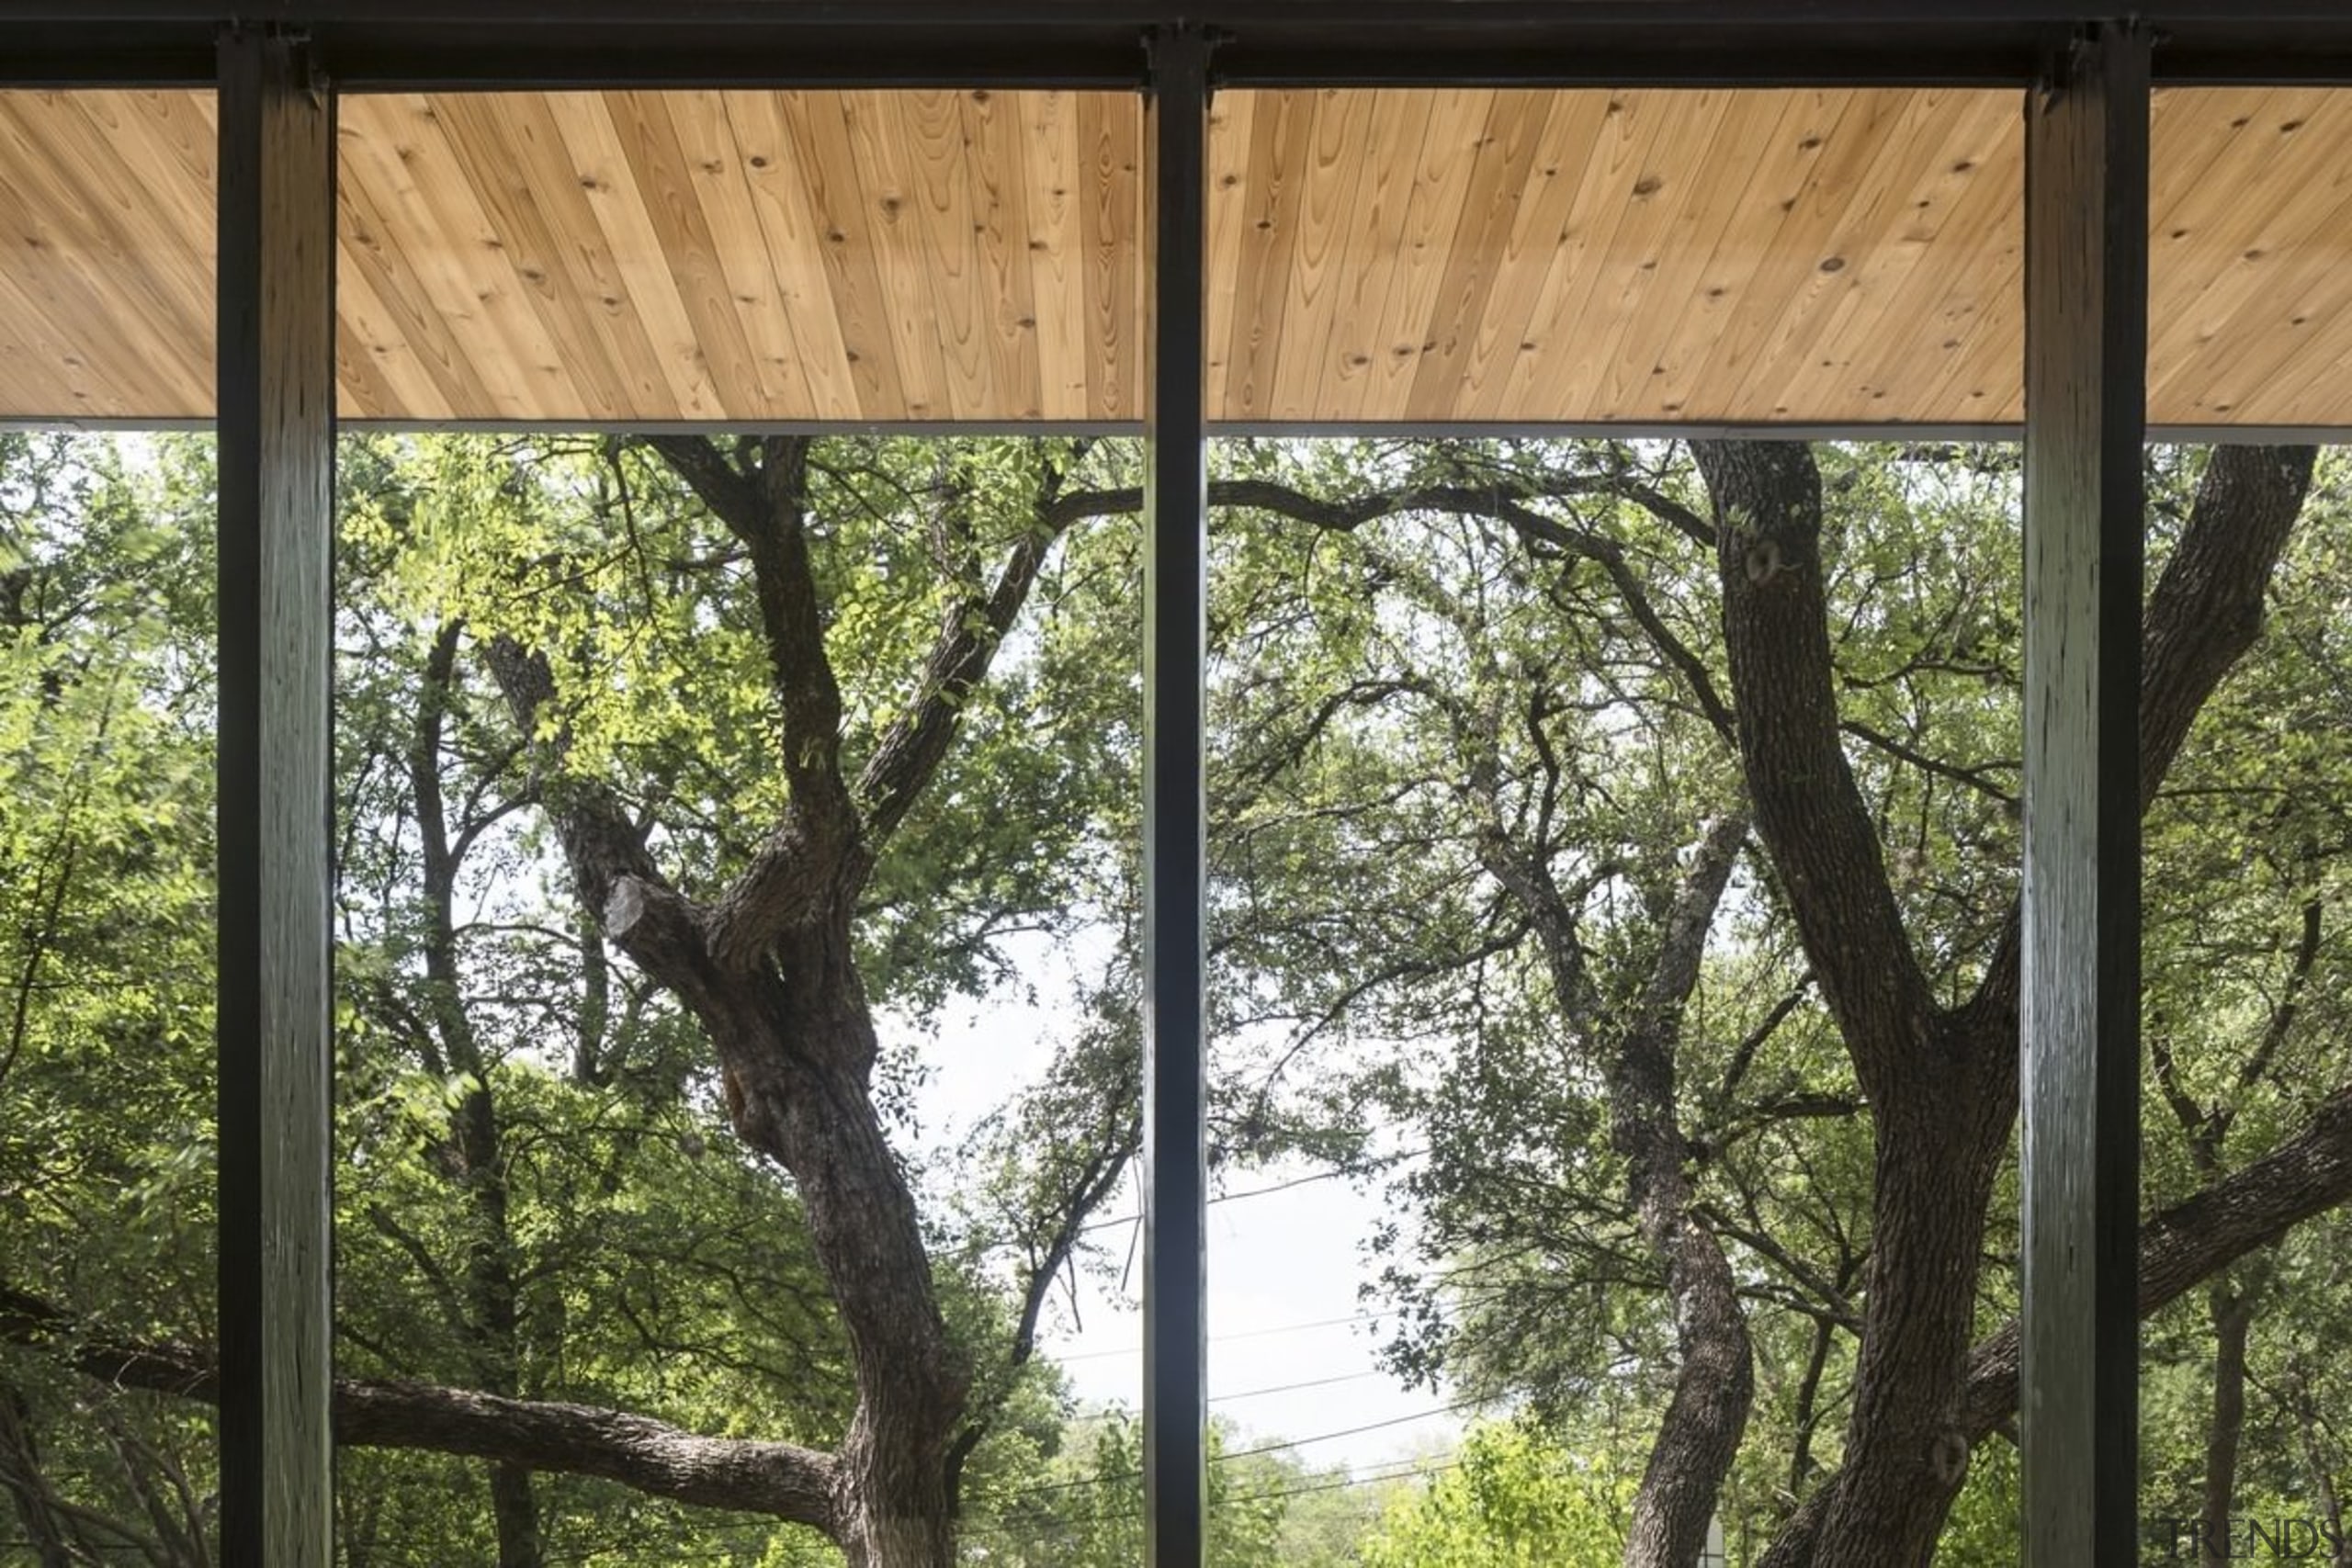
{"x": 1715, "y": 1384}
{"x": 783, "y": 1481}
{"x": 612, "y": 872}
{"x": 1501, "y": 503}
{"x": 2205, "y": 612}
{"x": 1809, "y": 811}
{"x": 814, "y": 856}
{"x": 2180, "y": 1248}
{"x": 970, "y": 632}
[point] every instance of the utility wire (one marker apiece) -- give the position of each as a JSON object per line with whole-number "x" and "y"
{"x": 1416, "y": 1470}
{"x": 1307, "y": 1181}
{"x": 1230, "y": 1338}
{"x": 1118, "y": 1476}
{"x": 1226, "y": 1198}
{"x": 1294, "y": 1387}
{"x": 1455, "y": 1409}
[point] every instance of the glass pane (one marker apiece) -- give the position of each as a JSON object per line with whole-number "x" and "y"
{"x": 108, "y": 720}
{"x": 2244, "y": 952}
{"x": 738, "y": 889}
{"x": 1617, "y": 838}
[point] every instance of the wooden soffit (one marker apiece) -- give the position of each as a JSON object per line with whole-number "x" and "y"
{"x": 1825, "y": 258}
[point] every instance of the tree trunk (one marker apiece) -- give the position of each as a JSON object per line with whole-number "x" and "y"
{"x": 2232, "y": 1312}
{"x": 493, "y": 1325}
{"x": 1704, "y": 1420}
{"x": 1715, "y": 1383}
{"x": 1907, "y": 1452}
{"x": 1941, "y": 1082}
{"x": 797, "y": 1044}
{"x": 2330, "y": 1504}
{"x": 21, "y": 1472}
{"x": 1940, "y": 1085}
{"x": 1808, "y": 1408}
{"x": 514, "y": 1510}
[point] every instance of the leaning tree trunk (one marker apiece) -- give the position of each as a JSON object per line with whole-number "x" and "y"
{"x": 768, "y": 965}
{"x": 1905, "y": 1442}
{"x": 895, "y": 1507}
{"x": 796, "y": 1044}
{"x": 789, "y": 1022}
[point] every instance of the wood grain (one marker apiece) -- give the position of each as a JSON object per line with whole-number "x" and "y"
{"x": 1830, "y": 256}
{"x": 276, "y": 397}
{"x": 2087, "y": 193}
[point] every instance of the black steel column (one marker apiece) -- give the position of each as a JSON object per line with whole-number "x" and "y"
{"x": 277, "y": 432}
{"x": 1175, "y": 1347}
{"x": 2086, "y": 410}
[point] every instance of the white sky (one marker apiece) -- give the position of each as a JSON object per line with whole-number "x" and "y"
{"x": 1284, "y": 1269}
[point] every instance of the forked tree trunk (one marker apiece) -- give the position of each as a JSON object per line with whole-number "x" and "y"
{"x": 1942, "y": 1081}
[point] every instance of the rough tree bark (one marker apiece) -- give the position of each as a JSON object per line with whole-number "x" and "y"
{"x": 1941, "y": 1081}
{"x": 2232, "y": 1314}
{"x": 767, "y": 969}
{"x": 2186, "y": 1244}
{"x": 1715, "y": 1383}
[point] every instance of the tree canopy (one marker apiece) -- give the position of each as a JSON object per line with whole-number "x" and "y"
{"x": 1613, "y": 866}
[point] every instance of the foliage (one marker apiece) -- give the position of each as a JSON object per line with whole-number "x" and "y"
{"x": 542, "y": 1193}
{"x": 1084, "y": 1509}
{"x": 1512, "y": 1500}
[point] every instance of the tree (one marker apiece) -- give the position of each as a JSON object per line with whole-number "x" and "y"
{"x": 105, "y": 1157}
{"x": 1868, "y": 701}
{"x": 1509, "y": 1499}
{"x": 620, "y": 664}
{"x": 1642, "y": 828}
{"x": 1941, "y": 1076}
{"x": 768, "y": 964}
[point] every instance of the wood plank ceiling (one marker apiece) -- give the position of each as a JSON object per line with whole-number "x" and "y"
{"x": 1843, "y": 258}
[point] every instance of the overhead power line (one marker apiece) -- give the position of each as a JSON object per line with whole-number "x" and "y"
{"x": 1226, "y": 1198}
{"x": 1294, "y": 1387}
{"x": 1118, "y": 1477}
{"x": 1416, "y": 1470}
{"x": 1455, "y": 1409}
{"x": 1230, "y": 1339}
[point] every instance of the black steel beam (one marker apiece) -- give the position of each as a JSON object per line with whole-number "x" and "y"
{"x": 2085, "y": 350}
{"x": 1175, "y": 1338}
{"x": 489, "y": 44}
{"x": 1130, "y": 15}
{"x": 277, "y": 432}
